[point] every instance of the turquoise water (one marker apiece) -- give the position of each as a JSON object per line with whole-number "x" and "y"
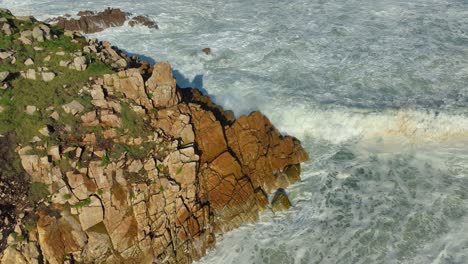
{"x": 376, "y": 90}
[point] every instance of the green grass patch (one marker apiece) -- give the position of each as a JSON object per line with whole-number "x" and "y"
{"x": 38, "y": 191}
{"x": 134, "y": 152}
{"x": 61, "y": 43}
{"x": 179, "y": 170}
{"x": 132, "y": 121}
{"x": 105, "y": 160}
{"x": 82, "y": 203}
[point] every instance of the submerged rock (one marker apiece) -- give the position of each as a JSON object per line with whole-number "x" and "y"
{"x": 143, "y": 21}
{"x": 280, "y": 201}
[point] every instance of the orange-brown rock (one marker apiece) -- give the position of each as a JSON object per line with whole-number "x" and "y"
{"x": 262, "y": 150}
{"x": 59, "y": 236}
{"x": 209, "y": 134}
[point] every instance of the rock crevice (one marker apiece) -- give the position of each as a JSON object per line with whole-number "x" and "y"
{"x": 134, "y": 169}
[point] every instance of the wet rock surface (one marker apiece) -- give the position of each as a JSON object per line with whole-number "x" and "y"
{"x": 91, "y": 22}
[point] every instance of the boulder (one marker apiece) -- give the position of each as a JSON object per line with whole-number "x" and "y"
{"x": 162, "y": 86}
{"x": 3, "y": 76}
{"x": 5, "y": 54}
{"x": 54, "y": 152}
{"x": 29, "y": 62}
{"x": 6, "y": 28}
{"x": 73, "y": 107}
{"x": 90, "y": 22}
{"x": 47, "y": 76}
{"x": 30, "y": 74}
{"x": 142, "y": 20}
{"x": 25, "y": 37}
{"x": 31, "y": 109}
{"x": 131, "y": 84}
{"x": 207, "y": 51}
{"x": 38, "y": 34}
{"x": 80, "y": 63}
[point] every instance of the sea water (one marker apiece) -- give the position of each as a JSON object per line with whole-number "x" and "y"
{"x": 377, "y": 91}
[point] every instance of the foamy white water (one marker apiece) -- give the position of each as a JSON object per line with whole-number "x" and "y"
{"x": 376, "y": 90}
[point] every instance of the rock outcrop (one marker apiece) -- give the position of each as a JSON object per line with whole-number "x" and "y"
{"x": 91, "y": 22}
{"x": 130, "y": 168}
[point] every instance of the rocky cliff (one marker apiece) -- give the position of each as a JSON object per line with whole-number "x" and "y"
{"x": 107, "y": 160}
{"x": 90, "y": 22}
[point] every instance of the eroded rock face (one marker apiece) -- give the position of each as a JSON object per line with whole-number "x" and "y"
{"x": 151, "y": 173}
{"x": 91, "y": 22}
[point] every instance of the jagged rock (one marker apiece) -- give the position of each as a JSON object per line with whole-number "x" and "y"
{"x": 280, "y": 201}
{"x": 25, "y": 37}
{"x": 1, "y": 109}
{"x": 97, "y": 248}
{"x": 11, "y": 255}
{"x": 6, "y": 28}
{"x": 176, "y": 124}
{"x": 47, "y": 58}
{"x": 207, "y": 51}
{"x": 210, "y": 135}
{"x": 90, "y": 22}
{"x": 46, "y": 30}
{"x": 60, "y": 53}
{"x": 29, "y": 62}
{"x": 54, "y": 152}
{"x": 142, "y": 20}
{"x": 59, "y": 236}
{"x": 47, "y": 76}
{"x": 73, "y": 107}
{"x": 131, "y": 84}
{"x": 262, "y": 150}
{"x": 160, "y": 196}
{"x": 38, "y": 34}
{"x": 3, "y": 76}
{"x": 31, "y": 253}
{"x": 162, "y": 86}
